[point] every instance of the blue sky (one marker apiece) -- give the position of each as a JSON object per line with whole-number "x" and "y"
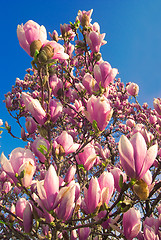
{"x": 133, "y": 33}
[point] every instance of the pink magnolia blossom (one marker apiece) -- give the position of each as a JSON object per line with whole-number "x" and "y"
{"x": 87, "y": 157}
{"x": 95, "y": 40}
{"x": 66, "y": 201}
{"x": 116, "y": 172}
{"x": 55, "y": 109}
{"x": 8, "y": 102}
{"x": 7, "y": 186}
{"x": 84, "y": 17}
{"x": 56, "y": 84}
{"x": 66, "y": 141}
{"x": 28, "y": 217}
{"x": 31, "y": 125}
{"x": 20, "y": 160}
{"x": 67, "y": 32}
{"x": 20, "y": 207}
{"x": 34, "y": 107}
{"x": 106, "y": 183}
{"x": 92, "y": 196}
{"x": 89, "y": 83}
{"x": 133, "y": 89}
{"x": 131, "y": 223}
{"x": 104, "y": 73}
{"x": 157, "y": 105}
{"x": 99, "y": 105}
{"x": 49, "y": 188}
{"x": 134, "y": 156}
{"x": 36, "y": 145}
{"x": 70, "y": 174}
{"x": 151, "y": 226}
{"x": 30, "y": 32}
{"x": 149, "y": 233}
{"x": 83, "y": 233}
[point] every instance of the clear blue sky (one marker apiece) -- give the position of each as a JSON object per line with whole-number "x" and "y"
{"x": 133, "y": 32}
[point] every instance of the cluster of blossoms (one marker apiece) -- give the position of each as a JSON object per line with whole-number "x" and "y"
{"x": 91, "y": 165}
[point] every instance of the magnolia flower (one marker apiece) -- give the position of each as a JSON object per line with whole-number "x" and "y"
{"x": 34, "y": 107}
{"x": 87, "y": 157}
{"x": 21, "y": 160}
{"x": 48, "y": 191}
{"x": 66, "y": 141}
{"x": 131, "y": 223}
{"x": 36, "y": 145}
{"x": 104, "y": 73}
{"x": 30, "y": 32}
{"x": 133, "y": 89}
{"x": 99, "y": 105}
{"x": 135, "y": 158}
{"x": 95, "y": 40}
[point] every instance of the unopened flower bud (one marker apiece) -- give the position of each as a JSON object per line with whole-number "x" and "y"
{"x": 35, "y": 45}
{"x": 46, "y": 53}
{"x": 85, "y": 20}
{"x": 133, "y": 89}
{"x": 141, "y": 189}
{"x": 23, "y": 135}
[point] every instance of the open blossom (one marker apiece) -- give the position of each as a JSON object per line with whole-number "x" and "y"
{"x": 104, "y": 73}
{"x": 99, "y": 105}
{"x": 95, "y": 40}
{"x": 89, "y": 83}
{"x": 30, "y": 32}
{"x": 134, "y": 156}
{"x": 34, "y": 107}
{"x": 20, "y": 160}
{"x": 84, "y": 17}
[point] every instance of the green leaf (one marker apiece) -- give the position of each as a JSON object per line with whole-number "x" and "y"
{"x": 133, "y": 181}
{"x": 103, "y": 164}
{"x": 95, "y": 127}
{"x": 22, "y": 174}
{"x": 42, "y": 149}
{"x": 36, "y": 53}
{"x": 121, "y": 181}
{"x": 2, "y": 222}
{"x": 81, "y": 166}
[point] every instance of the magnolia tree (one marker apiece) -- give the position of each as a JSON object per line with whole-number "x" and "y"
{"x": 91, "y": 165}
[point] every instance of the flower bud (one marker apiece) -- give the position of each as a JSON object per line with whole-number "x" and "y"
{"x": 131, "y": 223}
{"x": 30, "y": 125}
{"x": 70, "y": 174}
{"x": 157, "y": 105}
{"x": 141, "y": 189}
{"x": 133, "y": 89}
{"x": 35, "y": 45}
{"x": 46, "y": 53}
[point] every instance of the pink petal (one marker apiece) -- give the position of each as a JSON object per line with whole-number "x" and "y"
{"x": 140, "y": 149}
{"x": 149, "y": 159}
